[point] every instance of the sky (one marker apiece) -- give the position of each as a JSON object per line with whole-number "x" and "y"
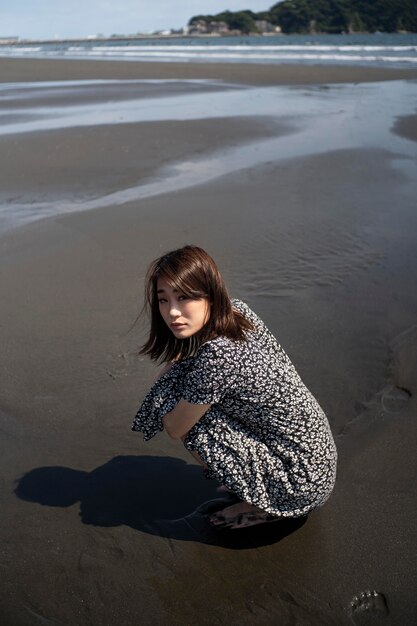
{"x": 48, "y": 19}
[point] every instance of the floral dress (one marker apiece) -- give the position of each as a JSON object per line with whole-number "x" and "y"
{"x": 265, "y": 436}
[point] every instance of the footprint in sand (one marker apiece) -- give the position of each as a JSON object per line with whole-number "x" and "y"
{"x": 394, "y": 399}
{"x": 368, "y": 608}
{"x": 404, "y": 349}
{"x": 404, "y": 367}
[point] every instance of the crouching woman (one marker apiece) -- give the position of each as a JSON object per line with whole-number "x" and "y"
{"x": 230, "y": 393}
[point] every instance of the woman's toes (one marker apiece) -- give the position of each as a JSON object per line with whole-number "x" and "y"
{"x": 246, "y": 520}
{"x": 217, "y": 519}
{"x": 240, "y": 515}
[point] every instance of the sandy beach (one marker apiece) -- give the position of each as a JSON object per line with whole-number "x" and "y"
{"x": 315, "y": 230}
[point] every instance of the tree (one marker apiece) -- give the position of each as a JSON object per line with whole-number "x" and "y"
{"x": 327, "y": 16}
{"x": 238, "y": 21}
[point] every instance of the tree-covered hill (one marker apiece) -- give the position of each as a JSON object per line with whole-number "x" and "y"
{"x": 325, "y": 16}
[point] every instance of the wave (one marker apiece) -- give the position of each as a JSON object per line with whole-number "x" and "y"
{"x": 206, "y": 55}
{"x": 18, "y": 50}
{"x": 274, "y": 48}
{"x": 405, "y": 54}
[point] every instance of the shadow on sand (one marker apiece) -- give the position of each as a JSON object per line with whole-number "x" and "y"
{"x": 157, "y": 495}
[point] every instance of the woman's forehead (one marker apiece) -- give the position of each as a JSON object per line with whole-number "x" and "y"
{"x": 163, "y": 285}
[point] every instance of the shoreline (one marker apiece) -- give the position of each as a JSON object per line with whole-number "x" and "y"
{"x": 130, "y": 141}
{"x": 196, "y": 36}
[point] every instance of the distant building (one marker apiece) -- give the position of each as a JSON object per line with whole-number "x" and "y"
{"x": 218, "y": 28}
{"x": 201, "y": 27}
{"x": 8, "y": 40}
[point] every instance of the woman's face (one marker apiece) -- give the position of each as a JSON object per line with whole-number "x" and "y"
{"x": 184, "y": 316}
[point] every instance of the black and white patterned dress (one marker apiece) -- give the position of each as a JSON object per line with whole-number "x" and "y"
{"x": 265, "y": 436}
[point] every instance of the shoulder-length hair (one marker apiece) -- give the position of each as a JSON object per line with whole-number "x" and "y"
{"x": 192, "y": 272}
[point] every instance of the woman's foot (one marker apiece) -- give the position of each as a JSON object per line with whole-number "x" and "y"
{"x": 240, "y": 515}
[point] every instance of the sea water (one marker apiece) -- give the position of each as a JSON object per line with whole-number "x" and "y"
{"x": 377, "y": 49}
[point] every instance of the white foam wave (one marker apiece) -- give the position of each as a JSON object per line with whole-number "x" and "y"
{"x": 277, "y": 48}
{"x": 214, "y": 54}
{"x": 4, "y": 50}
{"x": 270, "y": 53}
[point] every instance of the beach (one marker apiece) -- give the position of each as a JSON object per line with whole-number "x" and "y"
{"x": 307, "y": 202}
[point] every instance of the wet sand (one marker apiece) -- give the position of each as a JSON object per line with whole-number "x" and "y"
{"x": 407, "y": 127}
{"x": 125, "y": 154}
{"x": 102, "y": 528}
{"x": 15, "y": 70}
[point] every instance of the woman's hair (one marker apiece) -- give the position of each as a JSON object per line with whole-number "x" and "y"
{"x": 192, "y": 272}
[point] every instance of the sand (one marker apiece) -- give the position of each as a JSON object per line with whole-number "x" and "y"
{"x": 15, "y": 70}
{"x": 323, "y": 248}
{"x": 406, "y": 126}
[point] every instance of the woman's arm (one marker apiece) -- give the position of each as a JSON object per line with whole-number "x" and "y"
{"x": 180, "y": 420}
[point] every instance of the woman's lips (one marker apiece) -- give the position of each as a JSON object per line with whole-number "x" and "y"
{"x": 177, "y": 325}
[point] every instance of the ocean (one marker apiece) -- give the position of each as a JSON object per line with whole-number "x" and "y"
{"x": 378, "y": 49}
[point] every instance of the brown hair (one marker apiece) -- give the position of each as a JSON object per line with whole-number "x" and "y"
{"x": 193, "y": 272}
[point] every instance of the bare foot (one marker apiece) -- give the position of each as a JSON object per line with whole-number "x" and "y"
{"x": 241, "y": 515}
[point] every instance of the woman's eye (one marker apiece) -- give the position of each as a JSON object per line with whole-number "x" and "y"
{"x": 183, "y": 298}
{"x": 162, "y": 300}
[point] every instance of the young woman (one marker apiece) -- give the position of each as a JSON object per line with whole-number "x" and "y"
{"x": 230, "y": 393}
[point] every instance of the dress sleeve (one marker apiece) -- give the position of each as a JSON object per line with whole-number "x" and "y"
{"x": 243, "y": 308}
{"x": 163, "y": 396}
{"x": 211, "y": 374}
{"x": 262, "y": 333}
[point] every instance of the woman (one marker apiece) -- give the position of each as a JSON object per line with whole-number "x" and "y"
{"x": 230, "y": 393}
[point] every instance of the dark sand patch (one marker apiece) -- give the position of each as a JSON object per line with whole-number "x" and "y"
{"x": 406, "y": 127}
{"x": 84, "y": 161}
{"x": 15, "y": 70}
{"x": 71, "y": 95}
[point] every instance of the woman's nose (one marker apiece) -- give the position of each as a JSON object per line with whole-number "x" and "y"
{"x": 174, "y": 312}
